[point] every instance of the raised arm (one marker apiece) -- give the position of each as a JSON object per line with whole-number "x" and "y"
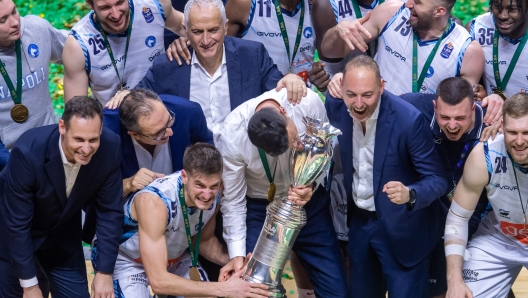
{"x": 237, "y": 12}
{"x": 465, "y": 200}
{"x": 351, "y": 34}
{"x": 173, "y": 18}
{"x": 75, "y": 76}
{"x": 323, "y": 19}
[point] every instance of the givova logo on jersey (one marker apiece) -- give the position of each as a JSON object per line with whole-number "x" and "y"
{"x": 395, "y": 54}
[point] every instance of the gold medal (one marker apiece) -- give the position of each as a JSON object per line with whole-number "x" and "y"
{"x": 499, "y": 93}
{"x": 271, "y": 192}
{"x": 19, "y": 113}
{"x": 194, "y": 274}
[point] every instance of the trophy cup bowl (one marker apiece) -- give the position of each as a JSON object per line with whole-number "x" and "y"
{"x": 285, "y": 219}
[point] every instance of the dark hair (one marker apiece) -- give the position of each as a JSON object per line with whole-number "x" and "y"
{"x": 137, "y": 103}
{"x": 363, "y": 61}
{"x": 516, "y": 106}
{"x": 202, "y": 158}
{"x": 519, "y": 4}
{"x": 83, "y": 107}
{"x": 267, "y": 131}
{"x": 448, "y": 4}
{"x": 454, "y": 90}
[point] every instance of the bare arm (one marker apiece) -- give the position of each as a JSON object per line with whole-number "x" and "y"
{"x": 323, "y": 20}
{"x": 210, "y": 247}
{"x": 237, "y": 12}
{"x": 151, "y": 214}
{"x": 75, "y": 76}
{"x": 173, "y": 18}
{"x": 351, "y": 34}
{"x": 473, "y": 63}
{"x": 466, "y": 195}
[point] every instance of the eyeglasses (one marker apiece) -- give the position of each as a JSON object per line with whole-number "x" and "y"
{"x": 162, "y": 133}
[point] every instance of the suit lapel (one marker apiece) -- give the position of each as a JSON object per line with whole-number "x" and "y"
{"x": 234, "y": 74}
{"x": 184, "y": 80}
{"x": 384, "y": 128}
{"x": 54, "y": 168}
{"x": 86, "y": 174}
{"x": 345, "y": 147}
{"x": 129, "y": 163}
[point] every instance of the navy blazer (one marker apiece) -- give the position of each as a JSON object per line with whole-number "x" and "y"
{"x": 404, "y": 152}
{"x": 189, "y": 128}
{"x": 250, "y": 69}
{"x": 4, "y": 156}
{"x": 36, "y": 212}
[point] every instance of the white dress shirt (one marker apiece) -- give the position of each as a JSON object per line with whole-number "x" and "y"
{"x": 363, "y": 162}
{"x": 70, "y": 172}
{"x": 159, "y": 162}
{"x": 211, "y": 92}
{"x": 243, "y": 170}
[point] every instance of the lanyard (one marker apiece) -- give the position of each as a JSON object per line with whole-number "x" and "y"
{"x": 417, "y": 82}
{"x": 465, "y": 152}
{"x": 16, "y": 95}
{"x": 284, "y": 33}
{"x": 501, "y": 85}
{"x": 109, "y": 49}
{"x": 272, "y": 188}
{"x": 194, "y": 251}
{"x": 357, "y": 11}
{"x": 519, "y": 191}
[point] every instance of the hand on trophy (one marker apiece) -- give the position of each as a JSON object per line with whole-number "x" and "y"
{"x": 300, "y": 195}
{"x": 238, "y": 288}
{"x": 236, "y": 264}
{"x": 397, "y": 192}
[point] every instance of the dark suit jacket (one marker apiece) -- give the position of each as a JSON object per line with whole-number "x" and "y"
{"x": 250, "y": 69}
{"x": 405, "y": 152}
{"x": 190, "y": 127}
{"x": 4, "y": 156}
{"x": 35, "y": 210}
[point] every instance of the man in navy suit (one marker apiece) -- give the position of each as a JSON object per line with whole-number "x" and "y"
{"x": 51, "y": 174}
{"x": 150, "y": 148}
{"x": 393, "y": 181}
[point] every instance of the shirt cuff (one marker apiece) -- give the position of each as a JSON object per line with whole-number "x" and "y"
{"x": 237, "y": 249}
{"x": 26, "y": 283}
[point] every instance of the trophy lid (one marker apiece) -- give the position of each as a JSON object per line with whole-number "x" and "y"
{"x": 321, "y": 129}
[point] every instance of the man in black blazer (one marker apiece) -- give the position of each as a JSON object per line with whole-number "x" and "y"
{"x": 51, "y": 174}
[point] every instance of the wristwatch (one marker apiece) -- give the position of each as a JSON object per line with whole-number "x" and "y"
{"x": 412, "y": 195}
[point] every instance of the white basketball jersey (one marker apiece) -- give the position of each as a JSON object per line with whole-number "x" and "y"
{"x": 482, "y": 30}
{"x": 507, "y": 216}
{"x": 395, "y": 55}
{"x": 167, "y": 189}
{"x": 146, "y": 42}
{"x": 263, "y": 26}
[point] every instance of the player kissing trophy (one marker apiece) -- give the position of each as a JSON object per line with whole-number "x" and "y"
{"x": 285, "y": 219}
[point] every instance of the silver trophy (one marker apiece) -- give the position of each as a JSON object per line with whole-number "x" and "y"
{"x": 285, "y": 219}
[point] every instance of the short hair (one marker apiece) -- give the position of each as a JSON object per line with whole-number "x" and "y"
{"x": 454, "y": 90}
{"x": 83, "y": 107}
{"x": 267, "y": 131}
{"x": 363, "y": 61}
{"x": 137, "y": 103}
{"x": 448, "y": 4}
{"x": 516, "y": 106}
{"x": 216, "y": 3}
{"x": 202, "y": 158}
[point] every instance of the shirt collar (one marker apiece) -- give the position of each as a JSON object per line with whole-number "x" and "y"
{"x": 194, "y": 59}
{"x": 473, "y": 134}
{"x": 63, "y": 156}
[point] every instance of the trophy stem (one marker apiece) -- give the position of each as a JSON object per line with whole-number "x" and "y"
{"x": 283, "y": 222}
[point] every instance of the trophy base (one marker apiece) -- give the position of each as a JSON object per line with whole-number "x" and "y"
{"x": 262, "y": 274}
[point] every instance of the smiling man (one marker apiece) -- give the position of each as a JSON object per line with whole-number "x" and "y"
{"x": 53, "y": 172}
{"x": 161, "y": 220}
{"x": 393, "y": 183}
{"x": 111, "y": 48}
{"x": 506, "y": 24}
{"x": 497, "y": 251}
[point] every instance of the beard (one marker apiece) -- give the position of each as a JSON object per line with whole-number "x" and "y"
{"x": 423, "y": 23}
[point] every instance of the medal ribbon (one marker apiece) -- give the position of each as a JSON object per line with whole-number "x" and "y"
{"x": 284, "y": 33}
{"x": 109, "y": 49}
{"x": 357, "y": 11}
{"x": 417, "y": 82}
{"x": 264, "y": 160}
{"x": 16, "y": 95}
{"x": 519, "y": 191}
{"x": 501, "y": 85}
{"x": 194, "y": 251}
